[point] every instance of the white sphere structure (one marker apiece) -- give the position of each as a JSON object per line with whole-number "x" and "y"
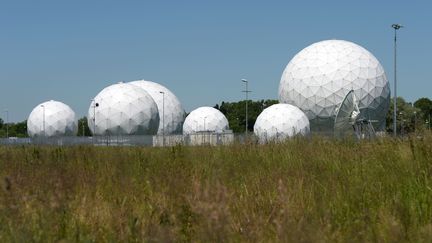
{"x": 52, "y": 118}
{"x": 279, "y": 122}
{"x": 319, "y": 77}
{"x": 171, "y": 112}
{"x": 205, "y": 119}
{"x": 123, "y": 109}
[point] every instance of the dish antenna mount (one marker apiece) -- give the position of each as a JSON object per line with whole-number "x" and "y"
{"x": 349, "y": 121}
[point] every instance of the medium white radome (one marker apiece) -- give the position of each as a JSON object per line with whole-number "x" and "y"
{"x": 279, "y": 122}
{"x": 319, "y": 77}
{"x": 170, "y": 109}
{"x": 205, "y": 119}
{"x": 51, "y": 118}
{"x": 123, "y": 109}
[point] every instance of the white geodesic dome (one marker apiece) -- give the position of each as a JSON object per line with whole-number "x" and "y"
{"x": 123, "y": 109}
{"x": 170, "y": 109}
{"x": 319, "y": 77}
{"x": 205, "y": 119}
{"x": 279, "y": 122}
{"x": 52, "y": 118}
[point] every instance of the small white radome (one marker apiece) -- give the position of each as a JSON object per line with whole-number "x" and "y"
{"x": 51, "y": 118}
{"x": 279, "y": 122}
{"x": 205, "y": 119}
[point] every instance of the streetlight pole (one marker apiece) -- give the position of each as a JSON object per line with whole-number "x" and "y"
{"x": 163, "y": 118}
{"x": 7, "y": 123}
{"x": 246, "y": 91}
{"x": 44, "y": 132}
{"x": 395, "y": 27}
{"x": 94, "y": 116}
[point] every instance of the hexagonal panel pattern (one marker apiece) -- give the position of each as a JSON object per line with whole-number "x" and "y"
{"x": 279, "y": 122}
{"x": 205, "y": 119}
{"x": 123, "y": 109}
{"x": 319, "y": 77}
{"x": 52, "y": 118}
{"x": 170, "y": 109}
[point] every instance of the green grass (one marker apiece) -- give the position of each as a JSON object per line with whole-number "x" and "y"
{"x": 304, "y": 190}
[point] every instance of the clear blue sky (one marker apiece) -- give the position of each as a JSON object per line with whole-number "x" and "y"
{"x": 70, "y": 50}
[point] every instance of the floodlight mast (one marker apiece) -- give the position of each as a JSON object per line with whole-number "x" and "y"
{"x": 246, "y": 91}
{"x": 163, "y": 118}
{"x": 395, "y": 27}
{"x": 94, "y": 116}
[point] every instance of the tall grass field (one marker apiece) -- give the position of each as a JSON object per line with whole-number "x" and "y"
{"x": 303, "y": 190}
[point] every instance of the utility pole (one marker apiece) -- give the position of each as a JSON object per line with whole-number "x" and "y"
{"x": 395, "y": 27}
{"x": 246, "y": 91}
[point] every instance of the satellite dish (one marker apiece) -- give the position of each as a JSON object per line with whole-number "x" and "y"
{"x": 350, "y": 121}
{"x": 346, "y": 116}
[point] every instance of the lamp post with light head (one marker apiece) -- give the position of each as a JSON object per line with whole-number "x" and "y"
{"x": 395, "y": 27}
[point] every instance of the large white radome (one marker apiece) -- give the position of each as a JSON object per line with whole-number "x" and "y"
{"x": 51, "y": 118}
{"x": 205, "y": 119}
{"x": 319, "y": 77}
{"x": 170, "y": 109}
{"x": 123, "y": 109}
{"x": 279, "y": 122}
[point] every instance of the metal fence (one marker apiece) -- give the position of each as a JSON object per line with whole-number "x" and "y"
{"x": 206, "y": 138}
{"x": 197, "y": 139}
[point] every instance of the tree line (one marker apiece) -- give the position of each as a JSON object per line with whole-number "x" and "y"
{"x": 410, "y": 117}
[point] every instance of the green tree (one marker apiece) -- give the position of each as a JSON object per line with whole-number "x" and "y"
{"x": 424, "y": 105}
{"x": 18, "y": 129}
{"x": 236, "y": 115}
{"x": 83, "y": 128}
{"x": 407, "y": 119}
